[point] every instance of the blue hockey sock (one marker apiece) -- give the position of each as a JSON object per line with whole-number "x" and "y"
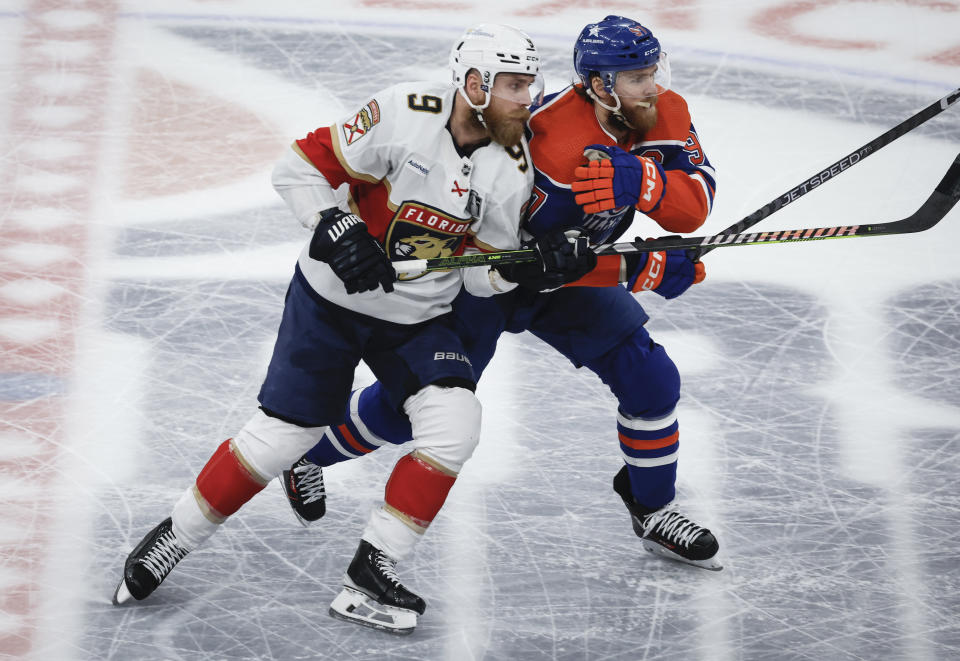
{"x": 369, "y": 423}
{"x": 650, "y": 447}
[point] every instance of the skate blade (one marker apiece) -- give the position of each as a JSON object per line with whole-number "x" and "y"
{"x": 711, "y": 564}
{"x": 353, "y": 606}
{"x": 121, "y": 595}
{"x": 302, "y": 521}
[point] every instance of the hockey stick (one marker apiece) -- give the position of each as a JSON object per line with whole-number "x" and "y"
{"x": 904, "y": 127}
{"x": 843, "y": 164}
{"x": 943, "y": 198}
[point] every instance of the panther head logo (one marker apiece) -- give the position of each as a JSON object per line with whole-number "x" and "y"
{"x": 425, "y": 246}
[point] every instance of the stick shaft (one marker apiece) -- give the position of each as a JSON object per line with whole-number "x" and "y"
{"x": 937, "y": 205}
{"x": 845, "y": 163}
{"x": 732, "y": 235}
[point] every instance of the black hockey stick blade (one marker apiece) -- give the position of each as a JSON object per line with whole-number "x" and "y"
{"x": 932, "y": 211}
{"x": 940, "y": 202}
{"x": 834, "y": 169}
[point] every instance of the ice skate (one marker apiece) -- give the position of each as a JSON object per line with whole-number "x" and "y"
{"x": 373, "y": 596}
{"x": 149, "y": 563}
{"x": 303, "y": 484}
{"x": 667, "y": 532}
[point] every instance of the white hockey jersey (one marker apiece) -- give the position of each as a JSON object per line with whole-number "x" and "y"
{"x": 419, "y": 197}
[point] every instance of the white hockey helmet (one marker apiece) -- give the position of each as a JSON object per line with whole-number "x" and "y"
{"x": 493, "y": 48}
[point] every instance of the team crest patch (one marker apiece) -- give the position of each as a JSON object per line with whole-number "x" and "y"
{"x": 418, "y": 231}
{"x": 365, "y": 119}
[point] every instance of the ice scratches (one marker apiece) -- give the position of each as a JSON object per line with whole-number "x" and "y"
{"x": 925, "y": 340}
{"x": 337, "y": 60}
{"x": 226, "y": 233}
{"x": 818, "y": 564}
{"x": 309, "y": 59}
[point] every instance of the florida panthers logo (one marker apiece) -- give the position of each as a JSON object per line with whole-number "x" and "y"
{"x": 424, "y": 246}
{"x": 418, "y": 231}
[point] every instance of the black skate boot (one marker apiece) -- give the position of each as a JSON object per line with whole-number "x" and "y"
{"x": 149, "y": 563}
{"x": 303, "y": 484}
{"x": 667, "y": 532}
{"x": 373, "y": 596}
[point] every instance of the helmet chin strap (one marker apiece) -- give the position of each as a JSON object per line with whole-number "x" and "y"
{"x": 477, "y": 110}
{"x": 618, "y": 109}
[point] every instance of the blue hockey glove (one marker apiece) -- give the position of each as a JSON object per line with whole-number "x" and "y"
{"x": 619, "y": 180}
{"x": 668, "y": 273}
{"x": 342, "y": 241}
{"x": 562, "y": 257}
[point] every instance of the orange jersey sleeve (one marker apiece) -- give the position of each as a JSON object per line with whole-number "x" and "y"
{"x": 690, "y": 183}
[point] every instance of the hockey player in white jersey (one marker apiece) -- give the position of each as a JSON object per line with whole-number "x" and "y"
{"x": 419, "y": 170}
{"x": 602, "y": 327}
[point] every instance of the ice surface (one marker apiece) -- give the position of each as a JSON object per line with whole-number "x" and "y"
{"x": 143, "y": 262}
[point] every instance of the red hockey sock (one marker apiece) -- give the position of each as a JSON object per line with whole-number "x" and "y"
{"x": 417, "y": 489}
{"x": 226, "y": 483}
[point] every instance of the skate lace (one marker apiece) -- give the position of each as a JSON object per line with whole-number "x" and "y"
{"x": 673, "y": 525}
{"x": 165, "y": 553}
{"x": 310, "y": 483}
{"x": 388, "y": 568}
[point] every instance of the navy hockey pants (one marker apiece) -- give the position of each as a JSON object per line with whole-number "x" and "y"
{"x": 319, "y": 346}
{"x": 601, "y": 329}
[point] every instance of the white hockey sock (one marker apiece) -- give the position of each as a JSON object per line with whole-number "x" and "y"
{"x": 390, "y": 534}
{"x": 190, "y": 526}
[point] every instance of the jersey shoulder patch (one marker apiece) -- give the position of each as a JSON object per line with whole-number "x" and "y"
{"x": 366, "y": 118}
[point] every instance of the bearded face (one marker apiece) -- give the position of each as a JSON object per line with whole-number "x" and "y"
{"x": 637, "y": 118}
{"x": 505, "y": 121}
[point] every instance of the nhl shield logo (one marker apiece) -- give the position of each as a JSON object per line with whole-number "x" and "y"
{"x": 418, "y": 231}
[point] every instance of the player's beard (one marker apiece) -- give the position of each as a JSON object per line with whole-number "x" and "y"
{"x": 505, "y": 127}
{"x": 639, "y": 119}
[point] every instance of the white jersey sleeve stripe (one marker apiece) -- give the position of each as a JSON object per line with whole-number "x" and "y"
{"x": 706, "y": 190}
{"x": 665, "y": 143}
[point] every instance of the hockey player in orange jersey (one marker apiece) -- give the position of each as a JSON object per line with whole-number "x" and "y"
{"x": 618, "y": 142}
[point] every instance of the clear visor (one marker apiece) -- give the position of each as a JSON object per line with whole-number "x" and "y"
{"x": 521, "y": 88}
{"x": 644, "y": 83}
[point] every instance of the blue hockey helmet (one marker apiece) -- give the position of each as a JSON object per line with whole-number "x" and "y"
{"x": 618, "y": 44}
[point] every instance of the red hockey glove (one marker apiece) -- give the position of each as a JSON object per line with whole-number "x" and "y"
{"x": 668, "y": 273}
{"x": 342, "y": 241}
{"x": 620, "y": 180}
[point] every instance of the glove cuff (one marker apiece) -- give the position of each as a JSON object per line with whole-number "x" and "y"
{"x": 659, "y": 186}
{"x": 500, "y": 284}
{"x": 333, "y": 228}
{"x": 650, "y": 276}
